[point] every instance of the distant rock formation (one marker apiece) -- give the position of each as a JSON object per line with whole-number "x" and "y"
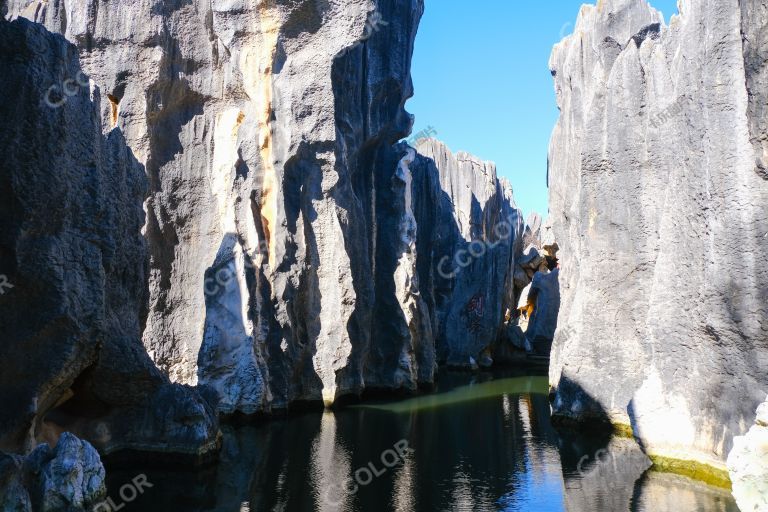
{"x": 658, "y": 194}
{"x": 748, "y": 464}
{"x": 532, "y": 324}
{"x": 469, "y": 236}
{"x": 74, "y": 262}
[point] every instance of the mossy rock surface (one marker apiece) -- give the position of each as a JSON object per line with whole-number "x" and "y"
{"x": 692, "y": 469}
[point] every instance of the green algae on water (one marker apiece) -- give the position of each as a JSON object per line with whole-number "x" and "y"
{"x": 469, "y": 393}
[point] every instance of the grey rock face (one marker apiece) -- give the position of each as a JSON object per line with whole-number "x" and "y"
{"x": 545, "y": 288}
{"x": 266, "y": 131}
{"x": 69, "y": 477}
{"x": 71, "y": 247}
{"x": 14, "y": 497}
{"x": 279, "y": 204}
{"x": 656, "y": 175}
{"x": 748, "y": 464}
{"x": 469, "y": 232}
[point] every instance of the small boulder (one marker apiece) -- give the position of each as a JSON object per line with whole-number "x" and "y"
{"x": 65, "y": 478}
{"x": 485, "y": 361}
{"x": 521, "y": 278}
{"x": 550, "y": 250}
{"x": 531, "y": 258}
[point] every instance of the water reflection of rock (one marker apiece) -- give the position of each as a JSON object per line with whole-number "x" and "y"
{"x": 611, "y": 474}
{"x": 662, "y": 492}
{"x": 602, "y": 478}
{"x": 330, "y": 468}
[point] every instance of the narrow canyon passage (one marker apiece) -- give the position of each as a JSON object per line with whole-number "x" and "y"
{"x": 238, "y": 273}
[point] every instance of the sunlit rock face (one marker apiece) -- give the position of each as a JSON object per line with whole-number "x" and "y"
{"x": 469, "y": 233}
{"x": 73, "y": 265}
{"x": 278, "y": 270}
{"x": 658, "y": 190}
{"x": 748, "y": 464}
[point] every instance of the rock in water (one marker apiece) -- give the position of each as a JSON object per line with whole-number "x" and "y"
{"x": 748, "y": 465}
{"x": 658, "y": 192}
{"x": 65, "y": 478}
{"x": 72, "y": 251}
{"x": 69, "y": 477}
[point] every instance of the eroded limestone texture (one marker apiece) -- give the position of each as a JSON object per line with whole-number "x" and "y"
{"x": 71, "y": 248}
{"x": 657, "y": 199}
{"x": 67, "y": 477}
{"x": 266, "y": 129}
{"x": 290, "y": 237}
{"x": 469, "y": 233}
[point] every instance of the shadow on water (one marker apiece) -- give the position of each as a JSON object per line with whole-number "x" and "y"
{"x": 478, "y": 443}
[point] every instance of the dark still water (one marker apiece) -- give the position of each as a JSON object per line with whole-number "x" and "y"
{"x": 479, "y": 443}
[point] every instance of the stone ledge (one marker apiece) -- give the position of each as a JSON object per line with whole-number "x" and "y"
{"x": 696, "y": 470}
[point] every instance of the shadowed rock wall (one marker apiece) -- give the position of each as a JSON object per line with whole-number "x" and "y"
{"x": 470, "y": 232}
{"x": 74, "y": 262}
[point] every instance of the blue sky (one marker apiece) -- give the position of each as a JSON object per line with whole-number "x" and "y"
{"x": 482, "y": 81}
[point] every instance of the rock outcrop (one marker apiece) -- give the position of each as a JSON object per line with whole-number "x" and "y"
{"x": 657, "y": 198}
{"x": 72, "y": 252}
{"x": 469, "y": 234}
{"x": 748, "y": 464}
{"x": 266, "y": 129}
{"x": 531, "y": 327}
{"x": 290, "y": 236}
{"x": 68, "y": 477}
{"x": 14, "y": 496}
